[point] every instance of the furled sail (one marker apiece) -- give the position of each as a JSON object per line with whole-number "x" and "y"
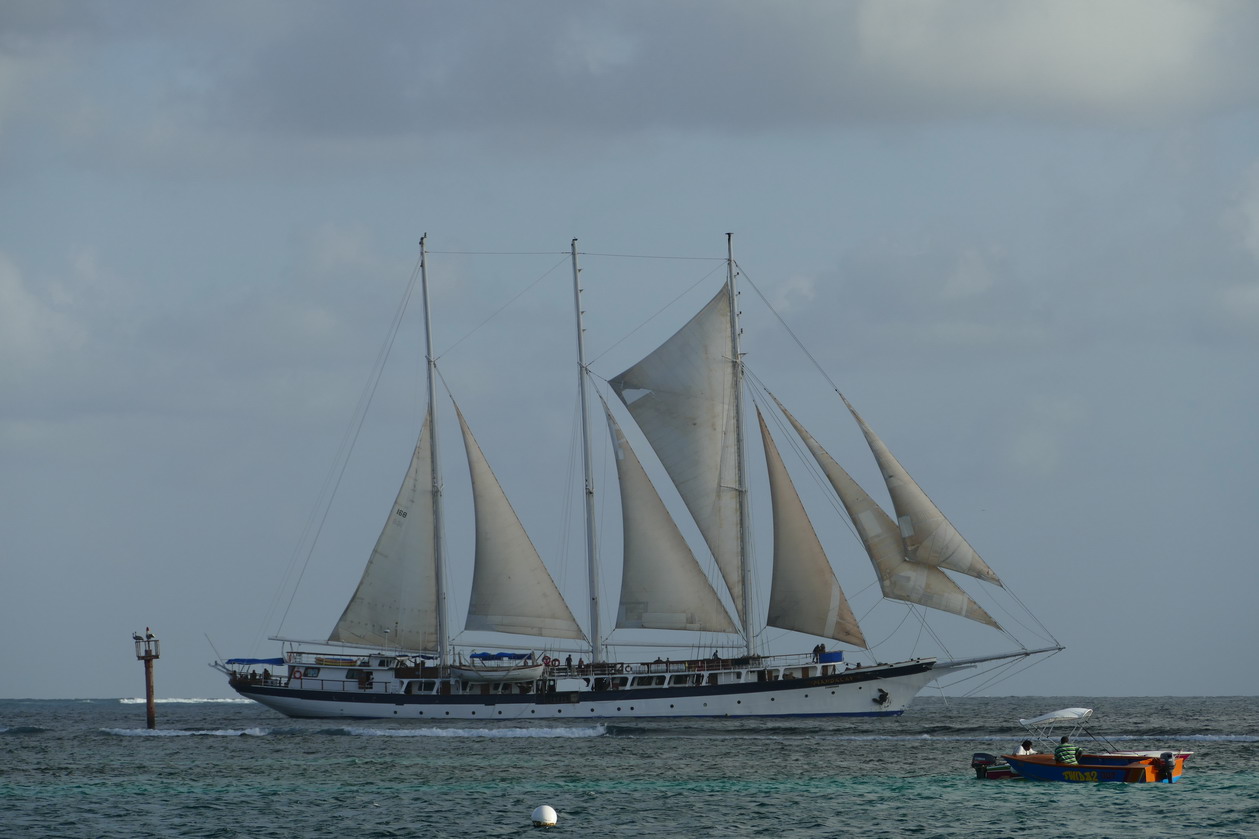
{"x": 899, "y": 579}
{"x": 805, "y": 595}
{"x": 929, "y": 537}
{"x": 511, "y": 589}
{"x": 662, "y": 585}
{"x": 682, "y": 398}
{"x": 396, "y": 598}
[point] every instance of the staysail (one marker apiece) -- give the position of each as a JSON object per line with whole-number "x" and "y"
{"x": 396, "y": 598}
{"x": 662, "y": 584}
{"x": 805, "y": 595}
{"x": 511, "y": 589}
{"x": 682, "y": 398}
{"x": 929, "y": 537}
{"x": 899, "y": 579}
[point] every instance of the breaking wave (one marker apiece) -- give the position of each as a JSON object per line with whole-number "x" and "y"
{"x": 178, "y": 701}
{"x": 352, "y": 731}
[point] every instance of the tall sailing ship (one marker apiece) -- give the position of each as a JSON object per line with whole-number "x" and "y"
{"x": 391, "y": 655}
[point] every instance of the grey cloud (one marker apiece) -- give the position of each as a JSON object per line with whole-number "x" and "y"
{"x": 326, "y": 70}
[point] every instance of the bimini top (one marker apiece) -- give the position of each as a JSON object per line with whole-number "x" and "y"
{"x": 1071, "y": 715}
{"x": 1044, "y": 725}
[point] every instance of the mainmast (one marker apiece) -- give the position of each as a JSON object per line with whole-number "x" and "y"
{"x": 592, "y": 547}
{"x": 745, "y": 540}
{"x": 439, "y": 542}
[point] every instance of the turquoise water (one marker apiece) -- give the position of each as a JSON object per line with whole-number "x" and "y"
{"x": 89, "y": 768}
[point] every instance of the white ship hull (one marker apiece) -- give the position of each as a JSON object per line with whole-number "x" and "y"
{"x": 885, "y": 690}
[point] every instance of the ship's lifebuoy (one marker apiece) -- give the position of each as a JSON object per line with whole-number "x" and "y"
{"x": 297, "y": 674}
{"x": 546, "y": 659}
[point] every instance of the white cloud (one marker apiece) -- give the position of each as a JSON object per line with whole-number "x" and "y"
{"x": 1040, "y": 443}
{"x": 1246, "y": 212}
{"x": 794, "y": 294}
{"x": 973, "y": 275}
{"x": 1237, "y": 301}
{"x": 34, "y": 329}
{"x": 1125, "y": 58}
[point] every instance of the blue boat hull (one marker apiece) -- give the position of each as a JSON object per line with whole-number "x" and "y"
{"x": 1101, "y": 768}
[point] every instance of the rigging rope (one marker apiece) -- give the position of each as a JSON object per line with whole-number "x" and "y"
{"x": 332, "y": 481}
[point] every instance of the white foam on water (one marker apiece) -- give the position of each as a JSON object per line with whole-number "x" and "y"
{"x": 179, "y": 701}
{"x": 174, "y": 732}
{"x": 585, "y": 731}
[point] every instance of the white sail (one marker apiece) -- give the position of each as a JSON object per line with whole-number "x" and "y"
{"x": 396, "y": 598}
{"x": 805, "y": 595}
{"x": 511, "y": 589}
{"x": 899, "y": 579}
{"x": 682, "y": 398}
{"x": 929, "y": 537}
{"x": 662, "y": 585}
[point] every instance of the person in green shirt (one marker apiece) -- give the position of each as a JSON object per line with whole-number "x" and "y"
{"x": 1067, "y": 752}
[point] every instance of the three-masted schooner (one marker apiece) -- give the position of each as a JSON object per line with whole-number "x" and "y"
{"x": 390, "y": 653}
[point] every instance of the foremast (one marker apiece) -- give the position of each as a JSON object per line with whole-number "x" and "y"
{"x": 439, "y": 546}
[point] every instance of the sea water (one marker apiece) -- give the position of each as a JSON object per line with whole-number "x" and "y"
{"x": 230, "y": 768}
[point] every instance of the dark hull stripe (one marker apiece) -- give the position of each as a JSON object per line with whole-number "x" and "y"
{"x": 569, "y": 697}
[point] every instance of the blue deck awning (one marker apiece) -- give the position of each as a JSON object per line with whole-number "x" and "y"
{"x": 271, "y": 661}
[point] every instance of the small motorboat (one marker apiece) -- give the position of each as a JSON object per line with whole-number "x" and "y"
{"x": 1124, "y": 767}
{"x": 1092, "y": 766}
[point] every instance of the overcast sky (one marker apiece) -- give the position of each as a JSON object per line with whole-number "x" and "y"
{"x": 1023, "y": 239}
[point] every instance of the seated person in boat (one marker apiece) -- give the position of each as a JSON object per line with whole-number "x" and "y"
{"x": 1067, "y": 752}
{"x": 1025, "y": 748}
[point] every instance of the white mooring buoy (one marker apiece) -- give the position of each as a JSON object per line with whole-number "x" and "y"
{"x": 544, "y": 816}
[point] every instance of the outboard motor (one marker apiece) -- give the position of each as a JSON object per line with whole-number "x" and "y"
{"x": 1166, "y": 767}
{"x": 980, "y": 761}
